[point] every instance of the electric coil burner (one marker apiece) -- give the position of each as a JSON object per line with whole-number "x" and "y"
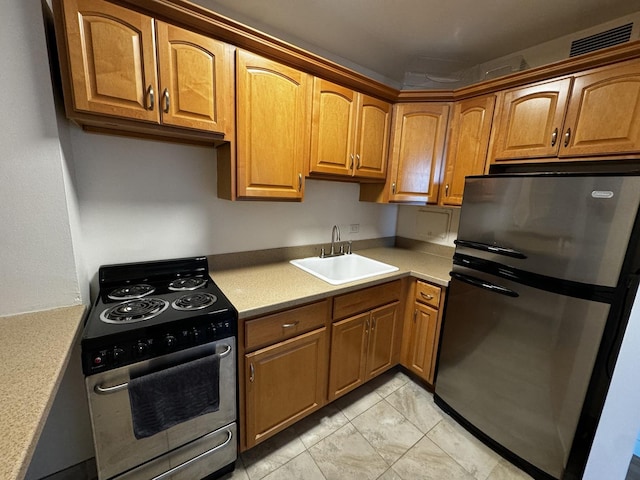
{"x": 148, "y": 320}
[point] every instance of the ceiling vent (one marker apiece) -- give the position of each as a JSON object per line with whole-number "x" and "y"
{"x": 608, "y": 38}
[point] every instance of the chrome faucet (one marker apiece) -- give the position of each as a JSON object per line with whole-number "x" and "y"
{"x": 335, "y": 237}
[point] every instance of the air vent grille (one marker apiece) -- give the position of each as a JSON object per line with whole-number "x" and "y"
{"x": 615, "y": 36}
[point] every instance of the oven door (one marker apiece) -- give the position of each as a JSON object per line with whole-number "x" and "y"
{"x": 117, "y": 449}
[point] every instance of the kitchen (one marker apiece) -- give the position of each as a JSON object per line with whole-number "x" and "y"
{"x": 78, "y": 187}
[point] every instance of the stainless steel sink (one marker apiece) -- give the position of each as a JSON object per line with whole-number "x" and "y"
{"x": 343, "y": 268}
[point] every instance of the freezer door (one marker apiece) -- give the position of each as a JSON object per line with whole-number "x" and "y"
{"x": 515, "y": 362}
{"x": 571, "y": 227}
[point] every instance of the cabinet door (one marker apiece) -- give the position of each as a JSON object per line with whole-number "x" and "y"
{"x": 192, "y": 80}
{"x": 383, "y": 340}
{"x": 273, "y": 105}
{"x": 348, "y": 354}
{"x": 372, "y": 143}
{"x": 112, "y": 60}
{"x": 273, "y": 399}
{"x": 604, "y": 113}
{"x": 468, "y": 144}
{"x": 332, "y": 129}
{"x": 417, "y": 152}
{"x": 422, "y": 341}
{"x": 528, "y": 123}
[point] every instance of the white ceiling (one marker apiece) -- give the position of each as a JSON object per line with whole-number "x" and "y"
{"x": 388, "y": 37}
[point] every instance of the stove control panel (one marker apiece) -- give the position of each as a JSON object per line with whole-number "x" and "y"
{"x": 149, "y": 344}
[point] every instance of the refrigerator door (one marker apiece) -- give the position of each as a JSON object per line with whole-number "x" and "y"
{"x": 515, "y": 363}
{"x": 564, "y": 226}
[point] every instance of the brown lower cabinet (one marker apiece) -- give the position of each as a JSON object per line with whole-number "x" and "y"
{"x": 362, "y": 347}
{"x": 296, "y": 361}
{"x": 284, "y": 383}
{"x": 422, "y": 329}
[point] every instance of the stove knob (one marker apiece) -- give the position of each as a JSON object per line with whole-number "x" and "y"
{"x": 118, "y": 354}
{"x": 213, "y": 330}
{"x": 195, "y": 335}
{"x": 169, "y": 341}
{"x": 141, "y": 349}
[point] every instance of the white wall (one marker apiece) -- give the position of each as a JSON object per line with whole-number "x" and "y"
{"x": 36, "y": 250}
{"x": 616, "y": 434}
{"x": 147, "y": 200}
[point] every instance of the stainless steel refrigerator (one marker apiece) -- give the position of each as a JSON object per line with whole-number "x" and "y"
{"x": 545, "y": 270}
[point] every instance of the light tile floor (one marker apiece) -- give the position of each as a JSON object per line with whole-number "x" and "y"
{"x": 388, "y": 429}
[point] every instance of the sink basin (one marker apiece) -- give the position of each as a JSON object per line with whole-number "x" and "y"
{"x": 344, "y": 268}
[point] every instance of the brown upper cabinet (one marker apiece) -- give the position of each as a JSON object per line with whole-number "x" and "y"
{"x": 416, "y": 154}
{"x": 349, "y": 133}
{"x": 116, "y": 72}
{"x": 273, "y": 109}
{"x": 590, "y": 114}
{"x": 468, "y": 141}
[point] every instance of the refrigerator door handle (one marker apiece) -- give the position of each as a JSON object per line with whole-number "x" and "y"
{"x": 509, "y": 252}
{"x": 476, "y": 282}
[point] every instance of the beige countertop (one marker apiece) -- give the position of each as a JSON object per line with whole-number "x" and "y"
{"x": 33, "y": 357}
{"x": 260, "y": 289}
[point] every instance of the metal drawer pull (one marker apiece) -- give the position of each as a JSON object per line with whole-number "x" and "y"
{"x": 102, "y": 390}
{"x": 554, "y": 137}
{"x": 289, "y": 325}
{"x": 427, "y": 296}
{"x": 194, "y": 459}
{"x": 252, "y": 373}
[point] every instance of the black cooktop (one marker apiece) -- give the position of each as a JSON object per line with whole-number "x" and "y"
{"x": 144, "y": 310}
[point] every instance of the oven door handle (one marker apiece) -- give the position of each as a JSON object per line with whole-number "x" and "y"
{"x": 195, "y": 459}
{"x": 102, "y": 390}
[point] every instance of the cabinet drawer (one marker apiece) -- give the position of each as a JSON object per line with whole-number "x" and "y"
{"x": 280, "y": 326}
{"x": 427, "y": 294}
{"x": 365, "y": 299}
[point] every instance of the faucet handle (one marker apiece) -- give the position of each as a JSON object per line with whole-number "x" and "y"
{"x": 342, "y": 249}
{"x": 349, "y": 247}
{"x": 322, "y": 254}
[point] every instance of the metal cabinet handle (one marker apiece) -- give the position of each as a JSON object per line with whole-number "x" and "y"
{"x": 299, "y": 182}
{"x": 351, "y": 164}
{"x": 152, "y": 97}
{"x": 373, "y": 325}
{"x": 567, "y": 137}
{"x": 165, "y": 95}
{"x": 252, "y": 373}
{"x": 289, "y": 325}
{"x": 554, "y": 137}
{"x": 183, "y": 465}
{"x": 446, "y": 190}
{"x": 426, "y": 295}
{"x": 366, "y": 330}
{"x": 393, "y": 188}
{"x": 102, "y": 390}
{"x": 358, "y": 159}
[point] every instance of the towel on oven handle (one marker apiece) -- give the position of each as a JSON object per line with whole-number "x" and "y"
{"x": 160, "y": 400}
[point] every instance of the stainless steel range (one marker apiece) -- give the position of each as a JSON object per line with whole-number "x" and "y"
{"x": 159, "y": 356}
